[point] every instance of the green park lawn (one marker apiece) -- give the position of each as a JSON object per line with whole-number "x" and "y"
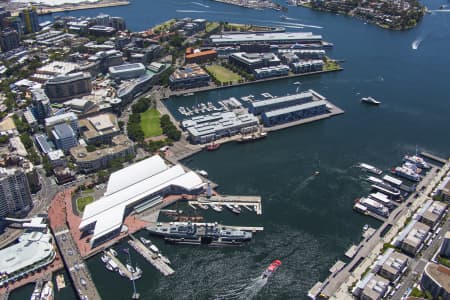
{"x": 150, "y": 123}
{"x": 83, "y": 201}
{"x": 223, "y": 74}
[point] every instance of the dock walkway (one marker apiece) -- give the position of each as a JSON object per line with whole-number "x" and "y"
{"x": 151, "y": 257}
{"x": 252, "y": 201}
{"x": 433, "y": 157}
{"x": 120, "y": 265}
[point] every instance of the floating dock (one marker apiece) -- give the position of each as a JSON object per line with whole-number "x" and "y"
{"x": 351, "y": 251}
{"x": 120, "y": 265}
{"x": 337, "y": 266}
{"x": 433, "y": 157}
{"x": 150, "y": 256}
{"x": 251, "y": 201}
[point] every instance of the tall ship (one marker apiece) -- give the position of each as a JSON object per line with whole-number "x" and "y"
{"x": 369, "y": 168}
{"x": 271, "y": 268}
{"x": 212, "y": 234}
{"x": 406, "y": 173}
{"x": 386, "y": 189}
{"x": 417, "y": 160}
{"x": 375, "y": 207}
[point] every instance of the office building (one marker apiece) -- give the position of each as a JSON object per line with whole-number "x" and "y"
{"x": 100, "y": 30}
{"x": 272, "y": 38}
{"x": 57, "y": 158}
{"x": 30, "y": 20}
{"x": 258, "y": 107}
{"x": 33, "y": 251}
{"x": 305, "y": 66}
{"x": 294, "y": 113}
{"x": 445, "y": 248}
{"x": 443, "y": 189}
{"x": 136, "y": 184}
{"x": 371, "y": 287}
{"x": 40, "y": 105}
{"x": 58, "y": 68}
{"x": 107, "y": 59}
{"x": 189, "y": 76}
{"x": 118, "y": 23}
{"x": 15, "y": 196}
{"x": 127, "y": 71}
{"x": 99, "y": 129}
{"x": 9, "y": 39}
{"x": 43, "y": 143}
{"x": 436, "y": 280}
{"x": 392, "y": 264}
{"x": 411, "y": 238}
{"x": 251, "y": 61}
{"x": 87, "y": 162}
{"x": 273, "y": 71}
{"x": 433, "y": 214}
{"x": 207, "y": 128}
{"x": 68, "y": 118}
{"x": 65, "y": 87}
{"x": 64, "y": 137}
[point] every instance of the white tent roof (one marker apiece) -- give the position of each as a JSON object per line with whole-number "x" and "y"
{"x": 131, "y": 185}
{"x": 135, "y": 173}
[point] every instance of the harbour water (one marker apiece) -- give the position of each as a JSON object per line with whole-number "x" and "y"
{"x": 308, "y": 220}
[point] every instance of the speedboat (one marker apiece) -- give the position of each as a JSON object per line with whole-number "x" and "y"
{"x": 130, "y": 268}
{"x": 113, "y": 252}
{"x": 105, "y": 258}
{"x": 216, "y": 207}
{"x": 145, "y": 241}
{"x": 202, "y": 206}
{"x": 370, "y": 100}
{"x": 271, "y": 268}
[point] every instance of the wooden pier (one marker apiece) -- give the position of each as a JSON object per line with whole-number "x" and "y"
{"x": 251, "y": 201}
{"x": 150, "y": 256}
{"x": 433, "y": 157}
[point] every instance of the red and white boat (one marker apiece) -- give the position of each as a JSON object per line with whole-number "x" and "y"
{"x": 271, "y": 268}
{"x": 213, "y": 146}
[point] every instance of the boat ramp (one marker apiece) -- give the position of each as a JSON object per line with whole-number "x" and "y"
{"x": 150, "y": 256}
{"x": 250, "y": 201}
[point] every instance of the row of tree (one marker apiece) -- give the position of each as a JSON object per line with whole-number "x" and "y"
{"x": 169, "y": 129}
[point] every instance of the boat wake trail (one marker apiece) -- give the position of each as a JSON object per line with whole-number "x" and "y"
{"x": 200, "y": 4}
{"x": 246, "y": 291}
{"x": 304, "y": 184}
{"x": 190, "y": 11}
{"x": 297, "y": 24}
{"x": 415, "y": 45}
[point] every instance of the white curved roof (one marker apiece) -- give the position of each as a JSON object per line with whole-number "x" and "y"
{"x": 130, "y": 185}
{"x": 135, "y": 173}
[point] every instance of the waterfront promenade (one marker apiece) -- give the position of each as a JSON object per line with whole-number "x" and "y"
{"x": 337, "y": 285}
{"x": 45, "y": 10}
{"x": 73, "y": 260}
{"x": 170, "y": 93}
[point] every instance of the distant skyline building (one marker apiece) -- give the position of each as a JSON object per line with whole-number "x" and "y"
{"x": 15, "y": 195}
{"x": 9, "y": 39}
{"x": 30, "y": 20}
